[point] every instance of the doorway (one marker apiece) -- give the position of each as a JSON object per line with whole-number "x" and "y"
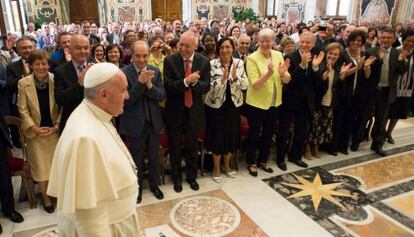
{"x": 168, "y": 10}
{"x": 84, "y": 10}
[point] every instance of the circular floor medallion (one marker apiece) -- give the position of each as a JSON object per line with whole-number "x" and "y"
{"x": 205, "y": 216}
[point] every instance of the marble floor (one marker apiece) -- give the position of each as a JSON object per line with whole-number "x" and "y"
{"x": 361, "y": 194}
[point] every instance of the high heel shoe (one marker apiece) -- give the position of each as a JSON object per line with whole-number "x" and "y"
{"x": 217, "y": 179}
{"x": 49, "y": 209}
{"x": 231, "y": 174}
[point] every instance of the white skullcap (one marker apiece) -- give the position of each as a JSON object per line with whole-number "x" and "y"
{"x": 99, "y": 73}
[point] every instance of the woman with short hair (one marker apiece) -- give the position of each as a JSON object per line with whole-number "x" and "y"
{"x": 267, "y": 71}
{"x": 41, "y": 117}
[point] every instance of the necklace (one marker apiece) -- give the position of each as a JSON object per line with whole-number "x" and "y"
{"x": 118, "y": 141}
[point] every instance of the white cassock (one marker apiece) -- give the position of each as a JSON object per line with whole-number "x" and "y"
{"x": 93, "y": 177}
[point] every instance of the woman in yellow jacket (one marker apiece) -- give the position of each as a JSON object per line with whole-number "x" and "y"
{"x": 41, "y": 117}
{"x": 266, "y": 71}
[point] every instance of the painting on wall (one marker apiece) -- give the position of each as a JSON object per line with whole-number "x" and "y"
{"x": 46, "y": 10}
{"x": 220, "y": 11}
{"x": 218, "y": 8}
{"x": 293, "y": 12}
{"x": 377, "y": 10}
{"x": 125, "y": 10}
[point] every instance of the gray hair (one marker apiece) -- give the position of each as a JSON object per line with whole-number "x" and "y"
{"x": 266, "y": 33}
{"x": 308, "y": 33}
{"x": 92, "y": 92}
{"x": 243, "y": 36}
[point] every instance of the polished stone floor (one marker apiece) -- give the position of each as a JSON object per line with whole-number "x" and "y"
{"x": 361, "y": 194}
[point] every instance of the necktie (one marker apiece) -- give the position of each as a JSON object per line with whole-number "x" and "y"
{"x": 147, "y": 111}
{"x": 188, "y": 95}
{"x": 80, "y": 68}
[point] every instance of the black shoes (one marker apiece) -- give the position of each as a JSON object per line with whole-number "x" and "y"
{"x": 332, "y": 152}
{"x": 265, "y": 168}
{"x": 49, "y": 209}
{"x": 193, "y": 184}
{"x": 282, "y": 166}
{"x": 178, "y": 186}
{"x": 252, "y": 170}
{"x": 299, "y": 163}
{"x": 390, "y": 140}
{"x": 344, "y": 151}
{"x": 157, "y": 192}
{"x": 15, "y": 217}
{"x": 139, "y": 198}
{"x": 354, "y": 146}
{"x": 1, "y": 229}
{"x": 378, "y": 150}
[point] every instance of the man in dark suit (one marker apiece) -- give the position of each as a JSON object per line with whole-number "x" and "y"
{"x": 6, "y": 188}
{"x": 69, "y": 78}
{"x": 243, "y": 44}
{"x": 382, "y": 85}
{"x": 187, "y": 78}
{"x": 115, "y": 36}
{"x": 16, "y": 71}
{"x": 142, "y": 118}
{"x": 86, "y": 31}
{"x": 298, "y": 101}
{"x": 323, "y": 38}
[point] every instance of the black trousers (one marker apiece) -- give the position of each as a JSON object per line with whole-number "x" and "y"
{"x": 6, "y": 187}
{"x": 382, "y": 108}
{"x": 176, "y": 140}
{"x": 342, "y": 127}
{"x": 260, "y": 122}
{"x": 151, "y": 138}
{"x": 301, "y": 121}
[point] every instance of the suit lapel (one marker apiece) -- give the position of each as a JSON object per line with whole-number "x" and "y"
{"x": 181, "y": 65}
{"x": 30, "y": 88}
{"x": 72, "y": 71}
{"x": 51, "y": 97}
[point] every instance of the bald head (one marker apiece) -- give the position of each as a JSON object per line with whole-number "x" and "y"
{"x": 79, "y": 48}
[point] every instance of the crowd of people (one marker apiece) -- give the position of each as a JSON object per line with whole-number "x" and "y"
{"x": 316, "y": 86}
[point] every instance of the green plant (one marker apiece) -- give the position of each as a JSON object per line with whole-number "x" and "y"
{"x": 38, "y": 23}
{"x": 247, "y": 13}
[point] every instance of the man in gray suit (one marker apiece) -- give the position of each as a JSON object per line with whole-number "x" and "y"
{"x": 142, "y": 119}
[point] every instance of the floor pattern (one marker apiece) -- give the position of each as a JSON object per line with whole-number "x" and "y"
{"x": 368, "y": 196}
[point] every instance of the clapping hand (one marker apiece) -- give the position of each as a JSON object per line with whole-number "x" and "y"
{"x": 361, "y": 63}
{"x": 67, "y": 54}
{"x": 306, "y": 57}
{"x": 403, "y": 54}
{"x": 317, "y": 59}
{"x": 345, "y": 67}
{"x": 270, "y": 69}
{"x": 283, "y": 67}
{"x": 193, "y": 78}
{"x": 145, "y": 75}
{"x": 369, "y": 61}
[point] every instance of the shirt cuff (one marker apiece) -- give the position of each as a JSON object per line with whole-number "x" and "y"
{"x": 185, "y": 83}
{"x": 194, "y": 83}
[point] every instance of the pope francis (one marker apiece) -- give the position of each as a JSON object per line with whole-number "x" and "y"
{"x": 93, "y": 175}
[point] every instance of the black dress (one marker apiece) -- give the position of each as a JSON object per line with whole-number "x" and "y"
{"x": 223, "y": 127}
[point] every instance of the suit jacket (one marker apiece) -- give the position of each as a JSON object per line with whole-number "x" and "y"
{"x": 174, "y": 75}
{"x": 321, "y": 86}
{"x": 396, "y": 68}
{"x": 132, "y": 121}
{"x": 93, "y": 39}
{"x": 41, "y": 42}
{"x": 320, "y": 46}
{"x": 257, "y": 67}
{"x": 111, "y": 36}
{"x": 68, "y": 92}
{"x": 4, "y": 135}
{"x": 300, "y": 90}
{"x": 28, "y": 104}
{"x": 14, "y": 74}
